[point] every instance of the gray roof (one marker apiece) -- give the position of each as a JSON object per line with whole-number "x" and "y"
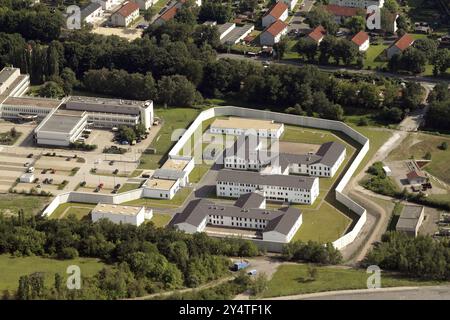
{"x": 89, "y": 9}
{"x": 330, "y": 152}
{"x": 168, "y": 174}
{"x": 6, "y": 73}
{"x": 327, "y": 154}
{"x": 62, "y": 123}
{"x": 249, "y": 200}
{"x": 409, "y": 218}
{"x": 196, "y": 211}
{"x": 106, "y": 105}
{"x": 224, "y": 27}
{"x": 300, "y": 182}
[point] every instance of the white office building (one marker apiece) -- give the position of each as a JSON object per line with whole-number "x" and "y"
{"x": 245, "y": 126}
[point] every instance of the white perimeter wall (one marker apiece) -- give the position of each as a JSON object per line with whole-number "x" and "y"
{"x": 299, "y": 121}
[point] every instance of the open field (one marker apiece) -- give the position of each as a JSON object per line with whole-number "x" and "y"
{"x": 12, "y": 268}
{"x": 12, "y": 203}
{"x": 324, "y": 225}
{"x": 417, "y": 145}
{"x": 294, "y": 279}
{"x": 374, "y": 56}
{"x": 175, "y": 118}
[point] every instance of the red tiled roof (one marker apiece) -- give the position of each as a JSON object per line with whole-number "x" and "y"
{"x": 276, "y": 27}
{"x": 341, "y": 11}
{"x": 317, "y": 34}
{"x": 128, "y": 9}
{"x": 360, "y": 38}
{"x": 169, "y": 14}
{"x": 278, "y": 9}
{"x": 404, "y": 42}
{"x": 415, "y": 174}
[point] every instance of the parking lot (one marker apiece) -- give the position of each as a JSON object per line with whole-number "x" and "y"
{"x": 12, "y": 166}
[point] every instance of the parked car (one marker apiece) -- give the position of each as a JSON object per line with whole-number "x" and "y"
{"x": 252, "y": 272}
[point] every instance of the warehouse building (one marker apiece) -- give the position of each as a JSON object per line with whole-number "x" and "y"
{"x": 274, "y": 187}
{"x": 248, "y": 213}
{"x": 410, "y": 220}
{"x": 121, "y": 214}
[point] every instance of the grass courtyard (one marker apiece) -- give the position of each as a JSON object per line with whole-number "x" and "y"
{"x": 293, "y": 279}
{"x": 12, "y": 203}
{"x": 12, "y": 268}
{"x": 80, "y": 210}
{"x": 172, "y": 119}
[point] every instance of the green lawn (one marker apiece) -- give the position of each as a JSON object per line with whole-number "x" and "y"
{"x": 417, "y": 145}
{"x": 12, "y": 203}
{"x": 173, "y": 118}
{"x": 293, "y": 279}
{"x": 198, "y": 172}
{"x": 374, "y": 56}
{"x": 324, "y": 225}
{"x": 377, "y": 138}
{"x": 176, "y": 201}
{"x": 128, "y": 187}
{"x": 307, "y": 135}
{"x": 7, "y": 139}
{"x": 12, "y": 268}
{"x": 80, "y": 210}
{"x": 160, "y": 219}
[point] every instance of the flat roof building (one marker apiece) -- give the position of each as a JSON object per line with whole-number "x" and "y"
{"x": 410, "y": 220}
{"x": 121, "y": 214}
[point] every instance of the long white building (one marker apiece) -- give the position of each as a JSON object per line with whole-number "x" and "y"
{"x": 241, "y": 126}
{"x": 121, "y": 214}
{"x": 247, "y": 213}
{"x": 274, "y": 187}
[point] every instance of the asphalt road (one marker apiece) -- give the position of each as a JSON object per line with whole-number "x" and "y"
{"x": 297, "y": 21}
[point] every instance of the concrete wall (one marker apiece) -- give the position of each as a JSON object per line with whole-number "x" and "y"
{"x": 299, "y": 121}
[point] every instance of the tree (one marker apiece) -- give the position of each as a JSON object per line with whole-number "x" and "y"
{"x": 355, "y": 24}
{"x": 69, "y": 80}
{"x": 307, "y": 47}
{"x": 428, "y": 46}
{"x": 412, "y": 95}
{"x": 312, "y": 272}
{"x": 177, "y": 91}
{"x": 51, "y": 90}
{"x": 444, "y": 145}
{"x": 441, "y": 61}
{"x": 326, "y": 48}
{"x": 346, "y": 51}
{"x": 281, "y": 48}
{"x": 206, "y": 35}
{"x": 215, "y": 11}
{"x": 126, "y": 134}
{"x": 320, "y": 16}
{"x": 260, "y": 284}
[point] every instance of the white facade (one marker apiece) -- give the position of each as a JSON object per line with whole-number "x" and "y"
{"x": 7, "y": 78}
{"x": 290, "y": 3}
{"x": 270, "y": 192}
{"x": 358, "y": 3}
{"x": 264, "y": 133}
{"x": 107, "y": 4}
{"x": 121, "y": 214}
{"x": 124, "y": 20}
{"x": 156, "y": 192}
{"x": 27, "y": 178}
{"x": 268, "y": 19}
{"x": 268, "y": 39}
{"x": 145, "y": 4}
{"x": 94, "y": 15}
{"x": 275, "y": 236}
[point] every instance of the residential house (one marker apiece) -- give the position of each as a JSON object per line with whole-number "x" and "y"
{"x": 362, "y": 41}
{"x": 341, "y": 13}
{"x": 290, "y": 3}
{"x": 416, "y": 177}
{"x": 273, "y": 33}
{"x": 400, "y": 45}
{"x": 107, "y": 4}
{"x": 317, "y": 34}
{"x": 91, "y": 12}
{"x": 145, "y": 4}
{"x": 128, "y": 13}
{"x": 279, "y": 11}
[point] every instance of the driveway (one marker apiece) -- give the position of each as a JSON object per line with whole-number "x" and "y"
{"x": 297, "y": 21}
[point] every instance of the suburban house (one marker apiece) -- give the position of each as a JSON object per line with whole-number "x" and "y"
{"x": 107, "y": 4}
{"x": 317, "y": 34}
{"x": 91, "y": 12}
{"x": 341, "y": 13}
{"x": 145, "y": 4}
{"x": 272, "y": 34}
{"x": 128, "y": 13}
{"x": 358, "y": 3}
{"x": 362, "y": 41}
{"x": 290, "y": 3}
{"x": 166, "y": 16}
{"x": 400, "y": 45}
{"x": 279, "y": 11}
{"x": 410, "y": 220}
{"x": 417, "y": 177}
{"x": 248, "y": 213}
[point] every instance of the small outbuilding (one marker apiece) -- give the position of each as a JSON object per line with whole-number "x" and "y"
{"x": 410, "y": 220}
